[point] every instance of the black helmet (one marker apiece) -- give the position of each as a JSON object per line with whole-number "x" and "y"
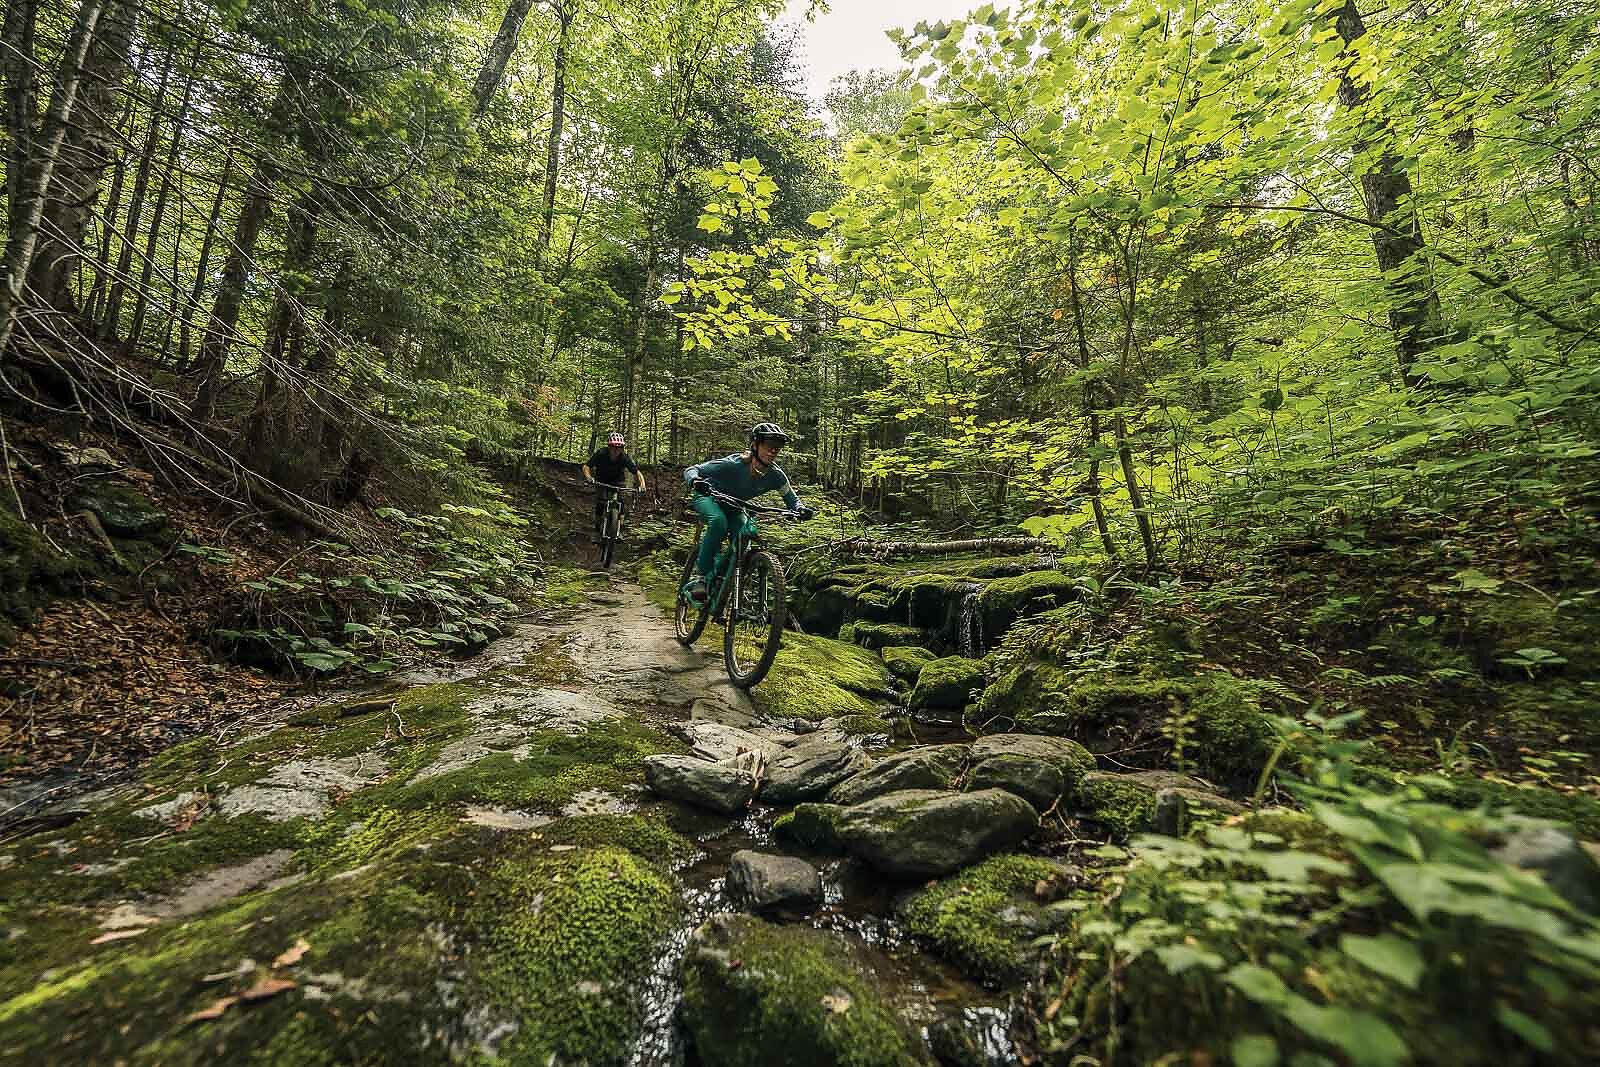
{"x": 769, "y": 432}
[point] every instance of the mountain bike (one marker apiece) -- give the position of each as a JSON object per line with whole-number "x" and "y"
{"x": 744, "y": 594}
{"x": 611, "y": 521}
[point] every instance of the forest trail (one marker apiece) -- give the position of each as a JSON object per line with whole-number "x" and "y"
{"x": 465, "y": 865}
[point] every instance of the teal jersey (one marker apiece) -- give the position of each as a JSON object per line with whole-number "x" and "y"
{"x": 732, "y": 475}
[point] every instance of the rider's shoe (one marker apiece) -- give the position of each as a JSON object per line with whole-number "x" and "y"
{"x": 695, "y": 590}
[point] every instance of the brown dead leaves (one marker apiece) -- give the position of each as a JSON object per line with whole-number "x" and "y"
{"x": 265, "y": 987}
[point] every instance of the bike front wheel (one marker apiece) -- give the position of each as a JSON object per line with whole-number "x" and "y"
{"x": 756, "y": 614}
{"x": 689, "y": 618}
{"x": 608, "y": 540}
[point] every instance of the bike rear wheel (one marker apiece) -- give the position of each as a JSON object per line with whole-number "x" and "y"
{"x": 689, "y": 618}
{"x": 756, "y": 613}
{"x": 608, "y": 539}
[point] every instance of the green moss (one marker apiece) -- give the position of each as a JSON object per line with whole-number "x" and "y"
{"x": 1123, "y": 807}
{"x": 1004, "y": 600}
{"x": 648, "y": 837}
{"x": 906, "y": 661}
{"x": 778, "y": 999}
{"x": 809, "y": 826}
{"x": 947, "y": 683}
{"x": 32, "y": 573}
{"x": 1225, "y": 733}
{"x": 883, "y": 634}
{"x": 567, "y": 939}
{"x": 983, "y": 918}
{"x": 815, "y": 678}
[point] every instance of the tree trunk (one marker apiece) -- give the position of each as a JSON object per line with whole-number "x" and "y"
{"x": 1096, "y": 502}
{"x": 16, "y": 63}
{"x": 20, "y": 241}
{"x": 558, "y": 105}
{"x": 1414, "y": 313}
{"x": 141, "y": 181}
{"x": 108, "y": 226}
{"x": 500, "y": 49}
{"x": 142, "y": 303}
{"x": 1135, "y": 494}
{"x": 285, "y": 335}
{"x": 86, "y": 152}
{"x": 224, "y": 320}
{"x": 213, "y": 224}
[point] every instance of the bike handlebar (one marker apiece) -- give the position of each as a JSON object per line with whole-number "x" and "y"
{"x": 745, "y": 505}
{"x": 618, "y": 488}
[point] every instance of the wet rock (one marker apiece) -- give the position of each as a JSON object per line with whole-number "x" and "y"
{"x": 947, "y": 683}
{"x": 718, "y": 741}
{"x": 1126, "y": 803}
{"x": 723, "y": 787}
{"x": 774, "y": 882}
{"x": 809, "y": 769}
{"x": 1555, "y": 855}
{"x": 810, "y": 826}
{"x": 123, "y": 512}
{"x": 760, "y": 995}
{"x": 932, "y": 767}
{"x": 977, "y": 1037}
{"x": 919, "y": 833}
{"x": 906, "y": 661}
{"x": 1039, "y": 783}
{"x": 302, "y": 788}
{"x": 1037, "y": 768}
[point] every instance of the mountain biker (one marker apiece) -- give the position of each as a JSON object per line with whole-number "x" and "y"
{"x": 606, "y": 468}
{"x": 742, "y": 475}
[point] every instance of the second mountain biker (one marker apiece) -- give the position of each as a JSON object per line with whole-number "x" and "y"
{"x": 608, "y": 467}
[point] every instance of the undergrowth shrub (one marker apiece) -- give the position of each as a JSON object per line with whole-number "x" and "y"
{"x": 444, "y": 582}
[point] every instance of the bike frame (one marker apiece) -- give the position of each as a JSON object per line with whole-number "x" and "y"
{"x": 740, "y": 542}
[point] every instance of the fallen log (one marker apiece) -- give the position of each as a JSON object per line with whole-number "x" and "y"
{"x": 868, "y": 548}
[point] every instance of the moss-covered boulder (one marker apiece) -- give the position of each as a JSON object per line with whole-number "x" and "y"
{"x": 122, "y": 511}
{"x": 1127, "y": 803}
{"x": 883, "y": 634}
{"x": 920, "y": 833}
{"x": 985, "y": 918}
{"x": 757, "y": 995}
{"x": 947, "y": 683}
{"x": 1224, "y": 732}
{"x": 815, "y": 678}
{"x": 925, "y": 767}
{"x": 31, "y": 573}
{"x": 1037, "y": 768}
{"x": 809, "y": 827}
{"x": 905, "y": 662}
{"x": 1004, "y": 600}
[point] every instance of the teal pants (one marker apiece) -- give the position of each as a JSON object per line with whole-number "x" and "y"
{"x": 718, "y": 520}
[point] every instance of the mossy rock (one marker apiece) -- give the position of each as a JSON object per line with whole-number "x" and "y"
{"x": 1578, "y": 810}
{"x": 906, "y": 661}
{"x": 884, "y": 634}
{"x": 1004, "y": 600}
{"x": 32, "y": 573}
{"x": 947, "y": 683}
{"x": 1126, "y": 803}
{"x": 984, "y": 918}
{"x": 757, "y": 994}
{"x": 1225, "y": 734}
{"x": 816, "y": 678}
{"x": 923, "y": 767}
{"x": 122, "y": 511}
{"x": 810, "y": 827}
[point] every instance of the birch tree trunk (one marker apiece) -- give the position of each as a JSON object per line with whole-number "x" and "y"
{"x": 1414, "y": 313}
{"x": 86, "y": 153}
{"x": 500, "y": 49}
{"x": 20, "y": 241}
{"x": 558, "y": 109}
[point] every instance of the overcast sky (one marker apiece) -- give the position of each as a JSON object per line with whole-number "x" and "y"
{"x": 851, "y": 36}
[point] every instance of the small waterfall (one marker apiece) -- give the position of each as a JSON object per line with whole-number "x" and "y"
{"x": 969, "y": 631}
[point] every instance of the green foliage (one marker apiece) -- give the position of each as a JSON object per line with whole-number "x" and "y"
{"x": 1379, "y": 928}
{"x": 438, "y": 586}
